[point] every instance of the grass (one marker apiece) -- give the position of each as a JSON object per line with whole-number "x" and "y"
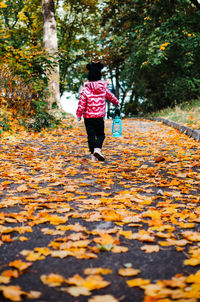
{"x": 187, "y": 114}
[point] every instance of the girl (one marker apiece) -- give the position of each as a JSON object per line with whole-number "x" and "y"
{"x": 92, "y": 105}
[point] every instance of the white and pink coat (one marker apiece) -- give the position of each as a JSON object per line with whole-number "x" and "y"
{"x": 92, "y": 101}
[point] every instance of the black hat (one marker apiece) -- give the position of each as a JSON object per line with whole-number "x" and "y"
{"x": 94, "y": 73}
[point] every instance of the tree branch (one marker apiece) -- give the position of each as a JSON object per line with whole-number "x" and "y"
{"x": 196, "y": 3}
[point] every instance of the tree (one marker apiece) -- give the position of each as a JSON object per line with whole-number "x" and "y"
{"x": 159, "y": 47}
{"x": 77, "y": 28}
{"x": 51, "y": 45}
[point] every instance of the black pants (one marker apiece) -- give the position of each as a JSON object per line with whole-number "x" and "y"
{"x": 95, "y": 132}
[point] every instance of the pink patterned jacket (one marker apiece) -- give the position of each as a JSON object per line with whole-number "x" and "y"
{"x": 92, "y": 101}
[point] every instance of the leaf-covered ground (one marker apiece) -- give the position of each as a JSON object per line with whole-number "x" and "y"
{"x": 123, "y": 230}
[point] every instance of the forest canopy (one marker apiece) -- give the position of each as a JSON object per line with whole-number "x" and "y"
{"x": 151, "y": 50}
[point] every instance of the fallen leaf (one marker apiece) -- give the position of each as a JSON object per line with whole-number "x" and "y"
{"x": 11, "y": 273}
{"x": 137, "y": 282}
{"x": 150, "y": 248}
{"x": 6, "y": 238}
{"x": 104, "y": 239}
{"x": 128, "y": 272}
{"x": 103, "y": 298}
{"x": 159, "y": 159}
{"x": 12, "y": 292}
{"x": 97, "y": 271}
{"x": 20, "y": 265}
{"x": 91, "y": 282}
{"x": 4, "y": 279}
{"x": 22, "y": 188}
{"x": 23, "y": 238}
{"x": 119, "y": 249}
{"x": 33, "y": 294}
{"x": 76, "y": 291}
{"x": 52, "y": 280}
{"x": 194, "y": 278}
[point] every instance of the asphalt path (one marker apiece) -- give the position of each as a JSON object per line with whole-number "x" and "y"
{"x": 54, "y": 197}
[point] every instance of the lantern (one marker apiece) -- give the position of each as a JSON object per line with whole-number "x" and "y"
{"x": 117, "y": 124}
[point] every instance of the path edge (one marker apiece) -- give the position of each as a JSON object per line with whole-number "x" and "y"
{"x": 184, "y": 129}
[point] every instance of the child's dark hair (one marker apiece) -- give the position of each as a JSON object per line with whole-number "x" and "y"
{"x": 94, "y": 73}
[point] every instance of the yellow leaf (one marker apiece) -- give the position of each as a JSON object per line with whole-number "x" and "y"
{"x": 137, "y": 282}
{"x": 4, "y": 279}
{"x": 143, "y": 236}
{"x": 126, "y": 234}
{"x": 119, "y": 249}
{"x": 11, "y": 273}
{"x": 34, "y": 256}
{"x": 95, "y": 282}
{"x": 97, "y": 271}
{"x": 25, "y": 229}
{"x": 111, "y": 215}
{"x": 33, "y": 294}
{"x": 52, "y": 280}
{"x": 91, "y": 282}
{"x": 150, "y": 248}
{"x": 128, "y": 272}
{"x": 56, "y": 220}
{"x": 3, "y": 5}
{"x": 22, "y": 188}
{"x": 76, "y": 291}
{"x": 159, "y": 159}
{"x": 104, "y": 239}
{"x": 23, "y": 238}
{"x": 194, "y": 278}
{"x": 45, "y": 191}
{"x": 76, "y": 280}
{"x": 177, "y": 281}
{"x": 6, "y": 238}
{"x": 169, "y": 242}
{"x": 61, "y": 254}
{"x": 103, "y": 298}
{"x": 43, "y": 250}
{"x": 193, "y": 236}
{"x": 192, "y": 262}
{"x": 20, "y": 265}
{"x": 12, "y": 292}
{"x": 174, "y": 182}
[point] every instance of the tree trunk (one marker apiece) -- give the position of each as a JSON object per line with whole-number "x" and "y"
{"x": 117, "y": 82}
{"x": 51, "y": 45}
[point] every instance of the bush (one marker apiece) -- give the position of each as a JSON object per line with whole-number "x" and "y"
{"x": 41, "y": 119}
{"x": 4, "y": 121}
{"x": 15, "y": 92}
{"x": 23, "y": 87}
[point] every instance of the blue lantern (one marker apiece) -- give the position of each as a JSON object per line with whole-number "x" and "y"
{"x": 117, "y": 124}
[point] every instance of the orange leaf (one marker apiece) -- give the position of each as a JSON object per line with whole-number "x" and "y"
{"x": 11, "y": 273}
{"x": 97, "y": 271}
{"x": 128, "y": 272}
{"x": 150, "y": 248}
{"x": 104, "y": 239}
{"x": 12, "y": 292}
{"x": 4, "y": 279}
{"x": 137, "y": 282}
{"x": 20, "y": 265}
{"x": 103, "y": 298}
{"x": 22, "y": 188}
{"x": 52, "y": 280}
{"x": 6, "y": 238}
{"x": 76, "y": 291}
{"x": 159, "y": 159}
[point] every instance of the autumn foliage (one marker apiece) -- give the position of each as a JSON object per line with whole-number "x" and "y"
{"x": 77, "y": 228}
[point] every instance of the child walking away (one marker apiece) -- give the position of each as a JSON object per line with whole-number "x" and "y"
{"x": 92, "y": 106}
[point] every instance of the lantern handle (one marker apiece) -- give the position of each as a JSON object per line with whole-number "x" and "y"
{"x": 117, "y": 112}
